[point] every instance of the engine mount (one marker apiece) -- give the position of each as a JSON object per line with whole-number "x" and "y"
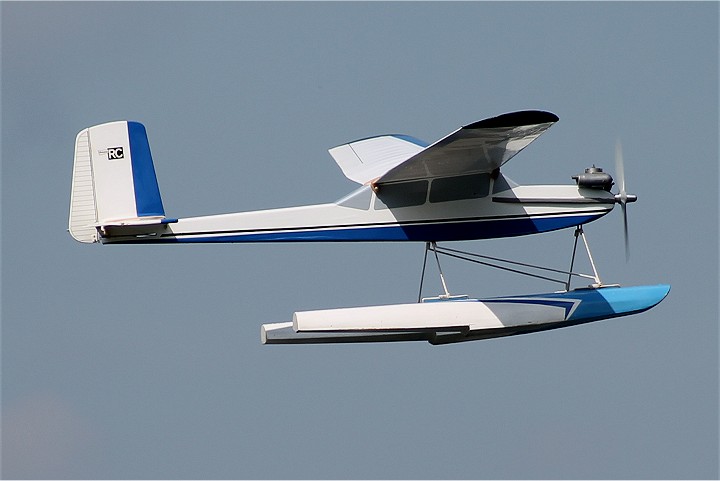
{"x": 594, "y": 178}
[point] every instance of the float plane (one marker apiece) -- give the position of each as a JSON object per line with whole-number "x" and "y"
{"x": 410, "y": 190}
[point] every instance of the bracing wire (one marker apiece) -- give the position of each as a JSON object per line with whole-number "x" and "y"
{"x": 463, "y": 255}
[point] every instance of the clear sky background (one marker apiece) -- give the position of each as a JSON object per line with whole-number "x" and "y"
{"x": 146, "y": 362}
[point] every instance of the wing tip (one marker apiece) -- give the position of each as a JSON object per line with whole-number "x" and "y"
{"x": 515, "y": 119}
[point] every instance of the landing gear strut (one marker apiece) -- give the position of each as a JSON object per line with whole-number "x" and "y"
{"x": 499, "y": 263}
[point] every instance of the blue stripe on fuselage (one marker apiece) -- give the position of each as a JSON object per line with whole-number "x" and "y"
{"x": 439, "y": 232}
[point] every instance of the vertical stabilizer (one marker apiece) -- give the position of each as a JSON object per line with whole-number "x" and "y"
{"x": 114, "y": 180}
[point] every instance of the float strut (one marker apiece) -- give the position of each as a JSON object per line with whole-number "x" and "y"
{"x": 579, "y": 232}
{"x": 422, "y": 275}
{"x": 442, "y": 277}
{"x": 578, "y": 229}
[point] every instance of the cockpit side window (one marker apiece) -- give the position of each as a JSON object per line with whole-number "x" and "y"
{"x": 405, "y": 194}
{"x": 474, "y": 186}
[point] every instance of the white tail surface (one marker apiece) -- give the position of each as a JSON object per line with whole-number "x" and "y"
{"x": 114, "y": 180}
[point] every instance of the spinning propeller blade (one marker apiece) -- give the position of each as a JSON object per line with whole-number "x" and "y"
{"x": 623, "y": 197}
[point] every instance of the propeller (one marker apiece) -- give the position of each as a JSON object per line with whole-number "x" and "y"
{"x": 622, "y": 197}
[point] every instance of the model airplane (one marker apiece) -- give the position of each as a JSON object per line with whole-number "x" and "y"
{"x": 450, "y": 190}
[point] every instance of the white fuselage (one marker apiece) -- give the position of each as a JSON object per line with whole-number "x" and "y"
{"x": 410, "y": 211}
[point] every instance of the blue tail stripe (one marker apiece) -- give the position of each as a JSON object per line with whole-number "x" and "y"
{"x": 147, "y": 192}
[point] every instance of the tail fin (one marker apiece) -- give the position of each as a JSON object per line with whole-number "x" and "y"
{"x": 114, "y": 180}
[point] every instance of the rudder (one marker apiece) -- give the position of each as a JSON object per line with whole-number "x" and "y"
{"x": 114, "y": 181}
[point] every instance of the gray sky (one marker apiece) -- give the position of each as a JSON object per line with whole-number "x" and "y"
{"x": 145, "y": 361}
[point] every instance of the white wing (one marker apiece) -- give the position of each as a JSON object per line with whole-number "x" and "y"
{"x": 365, "y": 160}
{"x": 480, "y": 147}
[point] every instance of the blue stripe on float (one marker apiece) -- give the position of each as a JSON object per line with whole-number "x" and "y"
{"x": 439, "y": 232}
{"x": 616, "y": 301}
{"x": 147, "y": 192}
{"x": 566, "y": 304}
{"x": 601, "y": 303}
